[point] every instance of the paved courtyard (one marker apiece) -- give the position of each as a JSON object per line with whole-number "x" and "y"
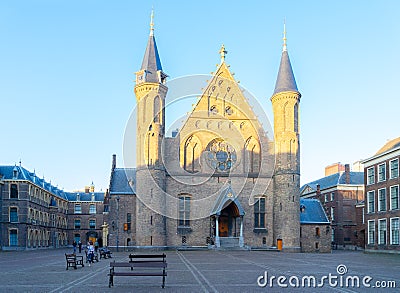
{"x": 206, "y": 271}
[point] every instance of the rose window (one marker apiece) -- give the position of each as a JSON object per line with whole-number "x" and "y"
{"x": 221, "y": 156}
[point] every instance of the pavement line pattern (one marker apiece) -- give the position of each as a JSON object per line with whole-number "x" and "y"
{"x": 79, "y": 281}
{"x": 192, "y": 267}
{"x": 280, "y": 271}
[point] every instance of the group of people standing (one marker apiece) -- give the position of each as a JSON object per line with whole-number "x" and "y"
{"x": 91, "y": 249}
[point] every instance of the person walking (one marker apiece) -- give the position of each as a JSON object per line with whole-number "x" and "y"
{"x": 90, "y": 252}
{"x": 74, "y": 245}
{"x": 96, "y": 246}
{"x": 80, "y": 246}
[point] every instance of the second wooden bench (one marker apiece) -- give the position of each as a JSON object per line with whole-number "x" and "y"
{"x": 140, "y": 265}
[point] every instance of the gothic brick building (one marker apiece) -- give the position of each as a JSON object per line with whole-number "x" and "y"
{"x": 221, "y": 180}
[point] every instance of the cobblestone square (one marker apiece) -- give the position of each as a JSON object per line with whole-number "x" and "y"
{"x": 204, "y": 271}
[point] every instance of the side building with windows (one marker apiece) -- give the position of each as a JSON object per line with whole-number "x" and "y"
{"x": 34, "y": 213}
{"x": 85, "y": 215}
{"x": 120, "y": 219}
{"x": 382, "y": 199}
{"x": 342, "y": 196}
{"x": 37, "y": 215}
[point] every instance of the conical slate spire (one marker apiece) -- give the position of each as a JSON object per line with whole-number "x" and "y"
{"x": 285, "y": 81}
{"x": 151, "y": 60}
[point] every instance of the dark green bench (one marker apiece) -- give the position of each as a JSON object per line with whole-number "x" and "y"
{"x": 140, "y": 265}
{"x": 73, "y": 260}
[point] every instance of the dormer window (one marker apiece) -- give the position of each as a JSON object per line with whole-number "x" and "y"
{"x": 93, "y": 197}
{"x": 78, "y": 197}
{"x": 15, "y": 172}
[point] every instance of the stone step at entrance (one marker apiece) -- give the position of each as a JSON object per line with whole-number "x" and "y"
{"x": 229, "y": 242}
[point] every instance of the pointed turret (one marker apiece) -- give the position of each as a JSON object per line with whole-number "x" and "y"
{"x": 285, "y": 81}
{"x": 285, "y": 104}
{"x": 151, "y": 70}
{"x": 151, "y": 91}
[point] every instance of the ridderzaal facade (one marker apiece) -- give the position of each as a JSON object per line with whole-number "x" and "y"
{"x": 220, "y": 181}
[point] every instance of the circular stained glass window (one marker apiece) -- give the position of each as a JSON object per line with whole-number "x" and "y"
{"x": 221, "y": 156}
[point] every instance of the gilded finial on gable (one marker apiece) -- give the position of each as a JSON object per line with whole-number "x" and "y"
{"x": 223, "y": 53}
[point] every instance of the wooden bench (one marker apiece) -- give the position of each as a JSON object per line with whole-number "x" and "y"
{"x": 140, "y": 265}
{"x": 73, "y": 260}
{"x": 95, "y": 256}
{"x": 105, "y": 253}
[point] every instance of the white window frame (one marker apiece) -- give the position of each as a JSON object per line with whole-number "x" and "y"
{"x": 380, "y": 208}
{"x": 382, "y": 173}
{"x": 371, "y": 176}
{"x": 259, "y": 213}
{"x": 80, "y": 224}
{"x": 332, "y": 196}
{"x": 78, "y": 211}
{"x": 382, "y": 240}
{"x": 92, "y": 221}
{"x": 371, "y": 228}
{"x": 10, "y": 242}
{"x": 92, "y": 208}
{"x": 394, "y": 187}
{"x": 394, "y": 175}
{"x": 369, "y": 209}
{"x": 184, "y": 203}
{"x": 394, "y": 233}
{"x": 332, "y": 214}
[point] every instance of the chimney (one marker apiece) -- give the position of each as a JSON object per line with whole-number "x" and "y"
{"x": 347, "y": 173}
{"x": 86, "y": 189}
{"x": 114, "y": 162}
{"x": 91, "y": 187}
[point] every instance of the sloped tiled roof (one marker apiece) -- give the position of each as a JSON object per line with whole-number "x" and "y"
{"x": 72, "y": 196}
{"x": 390, "y": 145}
{"x": 312, "y": 212}
{"x": 356, "y": 178}
{"x": 123, "y": 181}
{"x": 22, "y": 174}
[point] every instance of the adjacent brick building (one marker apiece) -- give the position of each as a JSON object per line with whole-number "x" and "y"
{"x": 381, "y": 175}
{"x": 315, "y": 229}
{"x": 342, "y": 196}
{"x": 35, "y": 214}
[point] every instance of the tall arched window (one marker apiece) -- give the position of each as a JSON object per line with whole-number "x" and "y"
{"x": 184, "y": 210}
{"x": 296, "y": 117}
{"x": 259, "y": 213}
{"x": 157, "y": 109}
{"x": 252, "y": 155}
{"x": 191, "y": 154}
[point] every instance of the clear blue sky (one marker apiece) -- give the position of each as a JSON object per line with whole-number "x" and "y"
{"x": 67, "y": 71}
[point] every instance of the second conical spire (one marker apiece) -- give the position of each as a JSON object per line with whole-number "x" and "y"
{"x": 151, "y": 60}
{"x": 285, "y": 81}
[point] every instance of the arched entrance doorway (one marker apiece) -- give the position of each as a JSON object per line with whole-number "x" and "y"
{"x": 229, "y": 224}
{"x": 227, "y": 220}
{"x": 91, "y": 236}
